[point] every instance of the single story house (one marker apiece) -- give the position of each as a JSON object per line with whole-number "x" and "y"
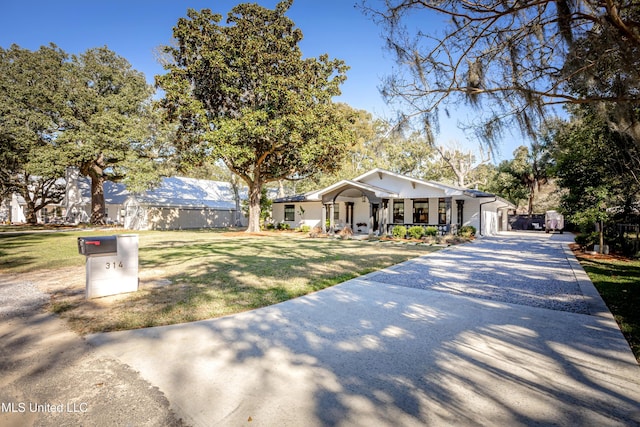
{"x": 378, "y": 200}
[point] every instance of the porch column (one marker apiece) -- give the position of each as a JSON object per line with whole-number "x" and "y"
{"x": 384, "y": 213}
{"x": 349, "y": 213}
{"x": 371, "y": 219}
{"x": 323, "y": 219}
{"x": 331, "y": 224}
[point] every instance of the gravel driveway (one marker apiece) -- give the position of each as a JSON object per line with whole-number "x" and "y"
{"x": 492, "y": 268}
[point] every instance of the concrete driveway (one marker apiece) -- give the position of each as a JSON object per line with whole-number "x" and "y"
{"x": 458, "y": 337}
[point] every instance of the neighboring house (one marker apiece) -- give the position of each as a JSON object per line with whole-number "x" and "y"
{"x": 12, "y": 209}
{"x": 177, "y": 203}
{"x": 378, "y": 200}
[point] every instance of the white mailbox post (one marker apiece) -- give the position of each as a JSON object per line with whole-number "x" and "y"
{"x": 112, "y": 264}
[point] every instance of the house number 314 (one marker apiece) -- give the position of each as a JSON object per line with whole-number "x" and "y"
{"x": 113, "y": 265}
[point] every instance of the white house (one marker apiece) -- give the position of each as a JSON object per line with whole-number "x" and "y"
{"x": 378, "y": 200}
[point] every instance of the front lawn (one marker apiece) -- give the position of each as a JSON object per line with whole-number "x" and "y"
{"x": 193, "y": 275}
{"x": 618, "y": 282}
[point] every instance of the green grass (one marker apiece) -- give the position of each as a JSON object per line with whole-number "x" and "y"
{"x": 618, "y": 282}
{"x": 25, "y": 252}
{"x": 204, "y": 274}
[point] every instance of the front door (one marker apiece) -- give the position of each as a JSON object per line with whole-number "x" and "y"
{"x": 374, "y": 213}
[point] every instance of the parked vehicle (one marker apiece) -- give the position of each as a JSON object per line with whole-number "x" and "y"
{"x": 553, "y": 221}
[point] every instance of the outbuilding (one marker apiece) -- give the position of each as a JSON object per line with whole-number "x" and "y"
{"x": 177, "y": 203}
{"x": 183, "y": 203}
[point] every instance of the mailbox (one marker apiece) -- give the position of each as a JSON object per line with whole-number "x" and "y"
{"x": 102, "y": 245}
{"x": 111, "y": 264}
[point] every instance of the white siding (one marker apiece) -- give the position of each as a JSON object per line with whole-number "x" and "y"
{"x": 311, "y": 217}
{"x": 160, "y": 218}
{"x": 361, "y": 213}
{"x": 470, "y": 213}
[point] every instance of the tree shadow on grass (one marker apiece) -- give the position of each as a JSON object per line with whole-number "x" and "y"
{"x": 210, "y": 279}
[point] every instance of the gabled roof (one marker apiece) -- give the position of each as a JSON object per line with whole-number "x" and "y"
{"x": 385, "y": 193}
{"x": 172, "y": 192}
{"x": 378, "y": 191}
{"x": 435, "y": 184}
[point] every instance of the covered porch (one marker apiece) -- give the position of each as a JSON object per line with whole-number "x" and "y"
{"x": 371, "y": 210}
{"x": 359, "y": 206}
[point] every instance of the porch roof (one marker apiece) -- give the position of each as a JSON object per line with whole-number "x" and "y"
{"x": 350, "y": 188}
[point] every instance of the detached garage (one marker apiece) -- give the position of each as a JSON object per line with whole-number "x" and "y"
{"x": 184, "y": 203}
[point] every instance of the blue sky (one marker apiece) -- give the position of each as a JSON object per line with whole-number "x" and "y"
{"x": 135, "y": 28}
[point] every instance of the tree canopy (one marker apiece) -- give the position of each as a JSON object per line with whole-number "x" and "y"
{"x": 90, "y": 110}
{"x": 240, "y": 91}
{"x": 596, "y": 166}
{"x": 515, "y": 59}
{"x": 522, "y": 177}
{"x": 108, "y": 121}
{"x": 31, "y": 111}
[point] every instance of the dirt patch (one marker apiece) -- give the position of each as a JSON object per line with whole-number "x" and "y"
{"x": 579, "y": 253}
{"x": 49, "y": 376}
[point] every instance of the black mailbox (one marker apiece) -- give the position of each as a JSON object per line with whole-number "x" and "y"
{"x": 97, "y": 245}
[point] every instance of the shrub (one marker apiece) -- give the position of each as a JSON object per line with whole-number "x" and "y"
{"x": 586, "y": 240}
{"x": 346, "y": 232}
{"x": 283, "y": 226}
{"x": 467, "y": 231}
{"x": 431, "y": 231}
{"x": 415, "y": 232}
{"x": 399, "y": 231}
{"x": 305, "y": 228}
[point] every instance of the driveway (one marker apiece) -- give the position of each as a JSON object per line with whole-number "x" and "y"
{"x": 503, "y": 331}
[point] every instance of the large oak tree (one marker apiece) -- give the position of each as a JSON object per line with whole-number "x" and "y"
{"x": 514, "y": 59}
{"x": 108, "y": 125}
{"x": 31, "y": 110}
{"x": 240, "y": 91}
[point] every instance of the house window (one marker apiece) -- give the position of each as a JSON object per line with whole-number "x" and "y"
{"x": 398, "y": 212}
{"x": 289, "y": 212}
{"x": 442, "y": 211}
{"x": 336, "y": 211}
{"x": 421, "y": 211}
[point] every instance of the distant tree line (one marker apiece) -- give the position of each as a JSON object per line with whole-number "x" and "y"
{"x": 240, "y": 102}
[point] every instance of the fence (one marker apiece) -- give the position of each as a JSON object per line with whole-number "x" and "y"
{"x": 629, "y": 238}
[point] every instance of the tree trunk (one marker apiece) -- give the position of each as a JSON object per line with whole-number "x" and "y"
{"x": 30, "y": 214}
{"x": 98, "y": 210}
{"x": 255, "y": 190}
{"x": 96, "y": 173}
{"x": 601, "y": 236}
{"x": 532, "y": 197}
